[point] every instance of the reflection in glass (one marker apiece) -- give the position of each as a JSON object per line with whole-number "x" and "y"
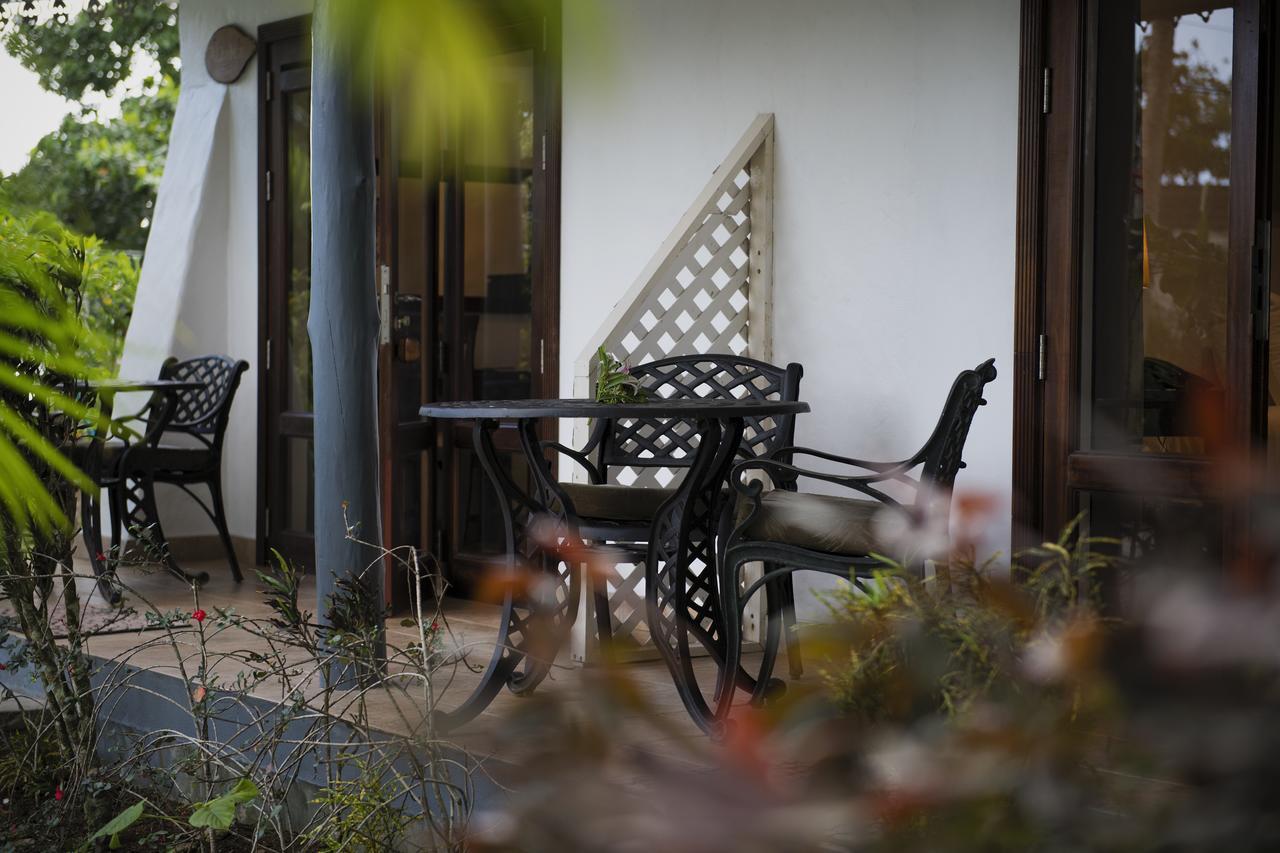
{"x": 300, "y": 486}
{"x": 1169, "y": 534}
{"x": 1160, "y": 192}
{"x": 497, "y": 230}
{"x": 298, "y": 353}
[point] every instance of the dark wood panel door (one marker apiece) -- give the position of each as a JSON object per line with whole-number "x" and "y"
{"x": 1141, "y": 235}
{"x": 471, "y": 268}
{"x": 287, "y": 517}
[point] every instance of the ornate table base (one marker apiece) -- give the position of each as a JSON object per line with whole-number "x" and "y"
{"x": 545, "y": 553}
{"x": 540, "y": 589}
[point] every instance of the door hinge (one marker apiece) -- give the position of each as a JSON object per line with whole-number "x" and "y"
{"x": 268, "y": 85}
{"x": 1046, "y": 94}
{"x": 544, "y": 151}
{"x": 384, "y": 305}
{"x": 268, "y": 355}
{"x": 1042, "y": 356}
{"x": 542, "y": 356}
{"x": 269, "y": 186}
{"x": 266, "y": 519}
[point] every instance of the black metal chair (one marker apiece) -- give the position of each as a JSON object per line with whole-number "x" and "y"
{"x": 201, "y": 416}
{"x": 789, "y": 530}
{"x": 621, "y": 515}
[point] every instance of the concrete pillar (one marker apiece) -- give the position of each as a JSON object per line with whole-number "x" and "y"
{"x": 343, "y": 324}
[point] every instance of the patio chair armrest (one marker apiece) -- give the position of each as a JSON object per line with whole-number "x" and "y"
{"x": 578, "y": 456}
{"x": 788, "y": 454}
{"x": 583, "y": 455}
{"x": 781, "y": 472}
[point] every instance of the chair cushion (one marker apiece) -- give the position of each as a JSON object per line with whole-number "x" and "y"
{"x": 111, "y": 450}
{"x": 167, "y": 457}
{"x": 616, "y": 503}
{"x": 160, "y": 459}
{"x": 825, "y": 523}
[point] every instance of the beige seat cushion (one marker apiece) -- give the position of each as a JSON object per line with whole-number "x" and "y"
{"x": 826, "y": 523}
{"x": 616, "y": 503}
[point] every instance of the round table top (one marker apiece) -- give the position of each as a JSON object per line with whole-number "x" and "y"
{"x": 682, "y": 408}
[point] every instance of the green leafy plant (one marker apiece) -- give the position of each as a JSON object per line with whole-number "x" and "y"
{"x": 220, "y": 812}
{"x": 614, "y": 382}
{"x": 362, "y": 812}
{"x": 916, "y": 646}
{"x": 119, "y": 824}
{"x": 100, "y": 176}
{"x": 94, "y": 49}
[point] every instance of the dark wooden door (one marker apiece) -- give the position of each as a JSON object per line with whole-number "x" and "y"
{"x": 472, "y": 292}
{"x": 1140, "y": 245}
{"x": 286, "y": 426}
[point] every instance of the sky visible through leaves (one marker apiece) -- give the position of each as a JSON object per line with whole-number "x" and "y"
{"x": 43, "y": 111}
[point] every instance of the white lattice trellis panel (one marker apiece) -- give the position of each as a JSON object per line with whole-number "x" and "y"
{"x": 699, "y": 302}
{"x": 708, "y": 289}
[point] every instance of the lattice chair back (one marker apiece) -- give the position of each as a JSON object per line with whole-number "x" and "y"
{"x": 941, "y": 454}
{"x": 645, "y": 444}
{"x": 204, "y": 411}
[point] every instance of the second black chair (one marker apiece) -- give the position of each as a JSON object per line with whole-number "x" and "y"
{"x": 790, "y": 530}
{"x": 188, "y": 453}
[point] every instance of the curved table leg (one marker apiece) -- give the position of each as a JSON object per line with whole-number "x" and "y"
{"x": 541, "y": 590}
{"x": 681, "y": 601}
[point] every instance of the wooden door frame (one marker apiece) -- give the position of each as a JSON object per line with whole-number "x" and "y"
{"x": 1052, "y": 123}
{"x": 546, "y": 274}
{"x": 268, "y": 34}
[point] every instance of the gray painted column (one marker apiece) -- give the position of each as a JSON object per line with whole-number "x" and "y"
{"x": 343, "y": 324}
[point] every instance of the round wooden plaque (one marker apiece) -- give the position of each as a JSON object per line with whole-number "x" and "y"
{"x": 228, "y": 54}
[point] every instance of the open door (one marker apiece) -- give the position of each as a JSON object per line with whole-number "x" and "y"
{"x": 470, "y": 265}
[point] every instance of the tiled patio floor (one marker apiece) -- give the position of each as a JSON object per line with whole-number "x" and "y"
{"x": 664, "y": 729}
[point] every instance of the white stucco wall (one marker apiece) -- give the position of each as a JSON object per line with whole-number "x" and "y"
{"x": 199, "y": 288}
{"x": 895, "y": 192}
{"x": 894, "y": 216}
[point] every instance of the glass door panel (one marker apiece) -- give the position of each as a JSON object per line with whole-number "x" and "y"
{"x": 497, "y": 229}
{"x": 288, "y": 425}
{"x": 493, "y": 335}
{"x": 470, "y": 297}
{"x": 1156, "y": 316}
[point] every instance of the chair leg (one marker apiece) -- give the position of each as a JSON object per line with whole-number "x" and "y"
{"x": 220, "y": 521}
{"x": 731, "y": 605}
{"x": 600, "y": 603}
{"x": 775, "y": 602}
{"x": 788, "y": 589}
{"x": 115, "y": 512}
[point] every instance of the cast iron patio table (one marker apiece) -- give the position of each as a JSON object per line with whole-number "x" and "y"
{"x": 542, "y": 529}
{"x": 141, "y": 514}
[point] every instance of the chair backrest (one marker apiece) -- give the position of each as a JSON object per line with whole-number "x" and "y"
{"x": 204, "y": 411}
{"x": 653, "y": 443}
{"x": 941, "y": 454}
